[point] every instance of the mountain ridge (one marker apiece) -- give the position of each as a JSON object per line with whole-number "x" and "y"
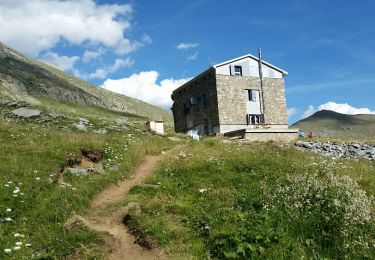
{"x": 332, "y": 124}
{"x": 25, "y": 79}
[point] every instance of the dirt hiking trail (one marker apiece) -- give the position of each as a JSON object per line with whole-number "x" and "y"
{"x": 120, "y": 242}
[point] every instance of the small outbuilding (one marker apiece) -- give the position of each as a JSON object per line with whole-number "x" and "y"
{"x": 156, "y": 126}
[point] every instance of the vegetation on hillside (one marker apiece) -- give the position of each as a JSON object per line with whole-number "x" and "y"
{"x": 216, "y": 200}
{"x": 33, "y": 205}
{"x": 209, "y": 199}
{"x": 330, "y": 124}
{"x": 26, "y": 79}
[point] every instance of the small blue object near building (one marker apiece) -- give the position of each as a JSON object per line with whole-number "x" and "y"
{"x": 194, "y": 133}
{"x": 301, "y": 133}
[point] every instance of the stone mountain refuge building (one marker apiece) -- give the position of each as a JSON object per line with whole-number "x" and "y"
{"x": 243, "y": 96}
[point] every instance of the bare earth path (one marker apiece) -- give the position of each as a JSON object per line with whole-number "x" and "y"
{"x": 121, "y": 243}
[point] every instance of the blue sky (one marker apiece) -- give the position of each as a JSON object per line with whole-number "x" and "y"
{"x": 147, "y": 48}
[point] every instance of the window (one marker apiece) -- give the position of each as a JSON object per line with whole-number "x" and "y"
{"x": 201, "y": 102}
{"x": 238, "y": 70}
{"x": 252, "y": 96}
{"x": 187, "y": 107}
{"x": 254, "y": 119}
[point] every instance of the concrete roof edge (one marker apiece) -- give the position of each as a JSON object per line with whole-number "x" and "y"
{"x": 252, "y": 57}
{"x": 188, "y": 82}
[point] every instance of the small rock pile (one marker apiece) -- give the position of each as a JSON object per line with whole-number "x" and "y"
{"x": 340, "y": 150}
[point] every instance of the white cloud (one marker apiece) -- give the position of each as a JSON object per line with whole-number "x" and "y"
{"x": 119, "y": 63}
{"x": 194, "y": 56}
{"x": 339, "y": 108}
{"x": 146, "y": 39}
{"x": 292, "y": 111}
{"x": 63, "y": 62}
{"x": 310, "y": 110}
{"x": 144, "y": 86}
{"x": 186, "y": 45}
{"x": 345, "y": 108}
{"x": 32, "y": 26}
{"x": 92, "y": 55}
{"x": 79, "y": 74}
{"x": 125, "y": 46}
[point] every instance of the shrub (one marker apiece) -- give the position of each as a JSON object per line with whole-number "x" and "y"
{"x": 329, "y": 212}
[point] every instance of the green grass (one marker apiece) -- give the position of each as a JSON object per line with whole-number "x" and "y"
{"x": 30, "y": 156}
{"x": 209, "y": 199}
{"x": 213, "y": 203}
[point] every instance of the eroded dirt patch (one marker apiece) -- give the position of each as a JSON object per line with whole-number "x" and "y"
{"x": 123, "y": 242}
{"x": 140, "y": 237}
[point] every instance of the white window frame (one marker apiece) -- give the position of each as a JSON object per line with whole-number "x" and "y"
{"x": 237, "y": 73}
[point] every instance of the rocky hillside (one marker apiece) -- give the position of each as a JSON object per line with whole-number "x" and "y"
{"x": 340, "y": 150}
{"x": 331, "y": 124}
{"x": 32, "y": 81}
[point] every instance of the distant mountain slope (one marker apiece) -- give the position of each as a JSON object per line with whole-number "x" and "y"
{"x": 26, "y": 79}
{"x": 329, "y": 123}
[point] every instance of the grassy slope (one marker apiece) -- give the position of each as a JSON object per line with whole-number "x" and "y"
{"x": 35, "y": 78}
{"x": 332, "y": 124}
{"x": 211, "y": 204}
{"x": 207, "y": 204}
{"x": 31, "y": 152}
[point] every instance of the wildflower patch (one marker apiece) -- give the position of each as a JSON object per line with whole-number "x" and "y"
{"x": 329, "y": 211}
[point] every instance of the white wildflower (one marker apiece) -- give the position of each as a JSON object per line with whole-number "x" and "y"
{"x": 27, "y": 245}
{"x": 202, "y": 190}
{"x": 7, "y": 250}
{"x": 17, "y": 248}
{"x": 8, "y": 219}
{"x": 18, "y": 243}
{"x": 17, "y": 235}
{"x": 8, "y": 210}
{"x": 37, "y": 178}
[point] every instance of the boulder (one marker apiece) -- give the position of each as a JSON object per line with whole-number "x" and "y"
{"x": 121, "y": 121}
{"x": 84, "y": 121}
{"x": 304, "y": 144}
{"x": 5, "y": 102}
{"x": 26, "y": 112}
{"x": 81, "y": 127}
{"x": 54, "y": 114}
{"x": 12, "y": 104}
{"x": 76, "y": 171}
{"x": 95, "y": 155}
{"x": 356, "y": 146}
{"x": 101, "y": 131}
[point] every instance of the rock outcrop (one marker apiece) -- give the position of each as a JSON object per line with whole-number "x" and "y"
{"x": 340, "y": 150}
{"x": 26, "y": 112}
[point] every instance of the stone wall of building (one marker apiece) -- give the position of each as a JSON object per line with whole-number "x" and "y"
{"x": 202, "y": 85}
{"x": 275, "y": 101}
{"x": 232, "y": 99}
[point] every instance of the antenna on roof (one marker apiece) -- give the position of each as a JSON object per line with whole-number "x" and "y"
{"x": 261, "y": 78}
{"x": 209, "y": 62}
